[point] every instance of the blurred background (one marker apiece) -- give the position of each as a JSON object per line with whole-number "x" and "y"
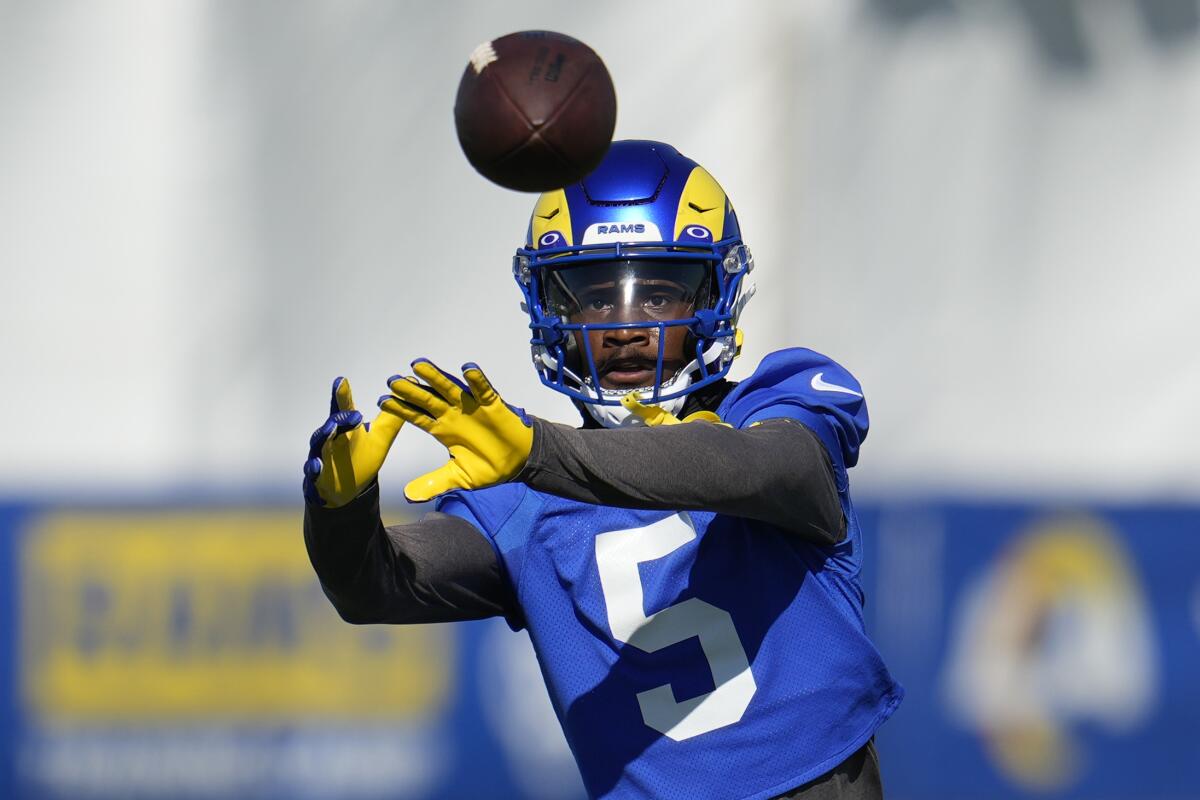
{"x": 985, "y": 209}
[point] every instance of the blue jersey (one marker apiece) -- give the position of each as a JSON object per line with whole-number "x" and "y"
{"x": 695, "y": 654}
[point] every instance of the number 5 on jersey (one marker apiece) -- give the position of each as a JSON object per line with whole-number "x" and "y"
{"x": 618, "y": 554}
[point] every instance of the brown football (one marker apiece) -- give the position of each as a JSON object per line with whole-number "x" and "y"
{"x": 535, "y": 110}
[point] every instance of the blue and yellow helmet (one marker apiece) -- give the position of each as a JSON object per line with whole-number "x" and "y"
{"x": 645, "y": 208}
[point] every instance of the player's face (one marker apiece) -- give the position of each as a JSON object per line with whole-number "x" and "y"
{"x": 638, "y": 294}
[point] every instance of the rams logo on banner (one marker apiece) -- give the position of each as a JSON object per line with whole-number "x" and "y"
{"x": 1054, "y": 636}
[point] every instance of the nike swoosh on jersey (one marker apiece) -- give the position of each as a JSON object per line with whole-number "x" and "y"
{"x": 820, "y": 385}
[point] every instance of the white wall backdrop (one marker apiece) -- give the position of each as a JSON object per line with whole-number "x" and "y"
{"x": 986, "y": 210}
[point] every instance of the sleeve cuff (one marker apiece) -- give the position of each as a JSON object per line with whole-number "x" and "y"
{"x": 366, "y": 505}
{"x": 537, "y": 452}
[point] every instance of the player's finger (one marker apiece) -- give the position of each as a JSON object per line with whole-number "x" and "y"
{"x": 346, "y": 421}
{"x": 651, "y": 415}
{"x": 445, "y": 478}
{"x": 317, "y": 440}
{"x": 386, "y": 425}
{"x": 393, "y": 405}
{"x": 312, "y": 468}
{"x": 341, "y": 400}
{"x": 480, "y": 386}
{"x": 447, "y": 386}
{"x": 412, "y": 392}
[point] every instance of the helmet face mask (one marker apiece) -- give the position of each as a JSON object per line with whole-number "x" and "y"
{"x": 611, "y": 311}
{"x": 627, "y": 309}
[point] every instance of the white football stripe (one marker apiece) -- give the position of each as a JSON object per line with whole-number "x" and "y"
{"x": 483, "y": 55}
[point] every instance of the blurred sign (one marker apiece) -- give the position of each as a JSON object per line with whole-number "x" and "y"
{"x": 1047, "y": 654}
{"x": 191, "y": 652}
{"x": 1054, "y": 635}
{"x": 203, "y": 615}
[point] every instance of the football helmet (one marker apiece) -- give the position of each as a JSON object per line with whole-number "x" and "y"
{"x": 646, "y": 245}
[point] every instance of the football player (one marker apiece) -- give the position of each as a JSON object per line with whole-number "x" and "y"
{"x": 687, "y": 562}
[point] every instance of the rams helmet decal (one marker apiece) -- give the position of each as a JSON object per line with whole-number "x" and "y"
{"x": 645, "y": 204}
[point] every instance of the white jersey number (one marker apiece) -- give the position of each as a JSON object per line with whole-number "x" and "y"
{"x": 618, "y": 554}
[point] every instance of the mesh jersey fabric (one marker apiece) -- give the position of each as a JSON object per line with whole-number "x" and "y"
{"x": 646, "y": 623}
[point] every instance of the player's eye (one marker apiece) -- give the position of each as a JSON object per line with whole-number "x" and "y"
{"x": 659, "y": 301}
{"x": 666, "y": 303}
{"x": 595, "y": 304}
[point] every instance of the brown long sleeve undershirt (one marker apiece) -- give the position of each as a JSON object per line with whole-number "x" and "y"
{"x": 441, "y": 569}
{"x": 438, "y": 569}
{"x": 776, "y": 472}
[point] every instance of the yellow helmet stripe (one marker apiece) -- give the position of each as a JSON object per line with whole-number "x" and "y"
{"x": 702, "y": 203}
{"x": 551, "y": 215}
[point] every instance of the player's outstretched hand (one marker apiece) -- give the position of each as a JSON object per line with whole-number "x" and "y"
{"x": 489, "y": 442}
{"x": 344, "y": 454}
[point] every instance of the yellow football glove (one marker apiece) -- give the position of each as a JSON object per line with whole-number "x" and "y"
{"x": 653, "y": 415}
{"x": 345, "y": 455}
{"x": 489, "y": 442}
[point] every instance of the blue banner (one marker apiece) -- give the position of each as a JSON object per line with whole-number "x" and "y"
{"x": 184, "y": 651}
{"x": 1046, "y": 652}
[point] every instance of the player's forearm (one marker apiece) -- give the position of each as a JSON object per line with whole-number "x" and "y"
{"x": 777, "y": 472}
{"x": 439, "y": 569}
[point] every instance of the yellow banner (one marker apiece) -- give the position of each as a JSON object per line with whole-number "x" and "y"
{"x": 205, "y": 615}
